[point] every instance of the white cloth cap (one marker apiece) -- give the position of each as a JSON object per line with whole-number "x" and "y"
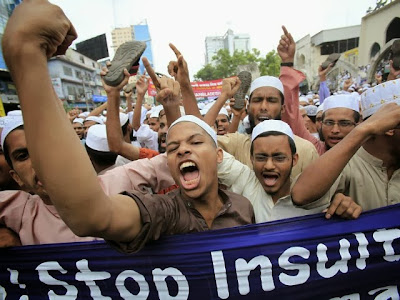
{"x": 343, "y": 101}
{"x": 272, "y": 125}
{"x": 84, "y": 114}
{"x": 311, "y": 110}
{"x": 123, "y": 118}
{"x": 266, "y": 81}
{"x": 223, "y": 111}
{"x": 98, "y": 120}
{"x": 96, "y": 138}
{"x": 320, "y": 108}
{"x": 198, "y": 122}
{"x": 10, "y": 125}
{"x": 78, "y": 120}
{"x": 200, "y": 105}
{"x": 14, "y": 113}
{"x": 155, "y": 114}
{"x": 246, "y": 122}
{"x": 373, "y": 98}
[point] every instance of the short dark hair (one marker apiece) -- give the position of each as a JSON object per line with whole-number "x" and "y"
{"x": 356, "y": 116}
{"x": 275, "y": 133}
{"x": 6, "y": 150}
{"x": 101, "y": 158}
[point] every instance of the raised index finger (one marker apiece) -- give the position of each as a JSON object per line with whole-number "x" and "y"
{"x": 151, "y": 72}
{"x": 285, "y": 30}
{"x": 176, "y": 51}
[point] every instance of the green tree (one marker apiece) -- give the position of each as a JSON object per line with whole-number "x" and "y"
{"x": 271, "y": 64}
{"x": 225, "y": 65}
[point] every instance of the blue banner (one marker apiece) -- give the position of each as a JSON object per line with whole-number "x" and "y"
{"x": 300, "y": 258}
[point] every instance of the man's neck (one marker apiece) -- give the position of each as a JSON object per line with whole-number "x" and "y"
{"x": 208, "y": 205}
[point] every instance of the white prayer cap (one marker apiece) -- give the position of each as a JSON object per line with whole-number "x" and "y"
{"x": 98, "y": 120}
{"x": 266, "y": 81}
{"x": 303, "y": 98}
{"x": 272, "y": 125}
{"x": 10, "y": 125}
{"x": 374, "y": 98}
{"x": 200, "y": 105}
{"x": 84, "y": 114}
{"x": 311, "y": 110}
{"x": 223, "y": 111}
{"x": 203, "y": 112}
{"x": 320, "y": 108}
{"x": 182, "y": 109}
{"x": 96, "y": 138}
{"x": 198, "y": 122}
{"x": 155, "y": 114}
{"x": 14, "y": 113}
{"x": 343, "y": 101}
{"x": 78, "y": 120}
{"x": 123, "y": 118}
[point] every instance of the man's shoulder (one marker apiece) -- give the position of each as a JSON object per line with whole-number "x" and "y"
{"x": 237, "y": 199}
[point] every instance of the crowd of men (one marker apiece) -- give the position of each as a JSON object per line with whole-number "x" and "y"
{"x": 131, "y": 176}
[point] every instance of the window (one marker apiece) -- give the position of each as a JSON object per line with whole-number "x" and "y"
{"x": 67, "y": 71}
{"x": 78, "y": 74}
{"x": 71, "y": 90}
{"x": 82, "y": 59}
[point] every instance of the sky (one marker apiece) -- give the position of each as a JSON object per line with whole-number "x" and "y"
{"x": 187, "y": 23}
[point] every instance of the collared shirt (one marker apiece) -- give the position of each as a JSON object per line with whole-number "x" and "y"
{"x": 170, "y": 214}
{"x": 241, "y": 179}
{"x": 365, "y": 180}
{"x": 239, "y": 144}
{"x": 34, "y": 221}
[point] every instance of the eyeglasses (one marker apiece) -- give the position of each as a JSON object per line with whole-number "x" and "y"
{"x": 341, "y": 123}
{"x": 279, "y": 159}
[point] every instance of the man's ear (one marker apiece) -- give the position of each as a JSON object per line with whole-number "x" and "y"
{"x": 283, "y": 109}
{"x": 220, "y": 155}
{"x": 295, "y": 159}
{"x": 16, "y": 177}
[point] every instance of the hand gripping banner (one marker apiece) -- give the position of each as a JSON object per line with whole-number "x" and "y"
{"x": 301, "y": 258}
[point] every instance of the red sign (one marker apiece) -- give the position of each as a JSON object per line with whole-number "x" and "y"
{"x": 201, "y": 89}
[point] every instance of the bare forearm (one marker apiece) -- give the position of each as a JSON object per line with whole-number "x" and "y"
{"x": 233, "y": 127}
{"x": 129, "y": 104}
{"x": 212, "y": 113}
{"x": 54, "y": 137}
{"x": 137, "y": 113}
{"x": 172, "y": 114}
{"x": 98, "y": 110}
{"x": 318, "y": 177}
{"x": 189, "y": 100}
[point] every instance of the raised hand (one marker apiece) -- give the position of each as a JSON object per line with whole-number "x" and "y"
{"x": 236, "y": 112}
{"x": 52, "y": 36}
{"x": 178, "y": 69}
{"x": 113, "y": 89}
{"x": 142, "y": 85}
{"x": 230, "y": 86}
{"x": 286, "y": 47}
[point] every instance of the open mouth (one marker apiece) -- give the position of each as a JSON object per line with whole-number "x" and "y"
{"x": 270, "y": 179}
{"x": 263, "y": 118}
{"x": 190, "y": 175}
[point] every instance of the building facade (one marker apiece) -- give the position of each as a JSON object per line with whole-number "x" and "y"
{"x": 379, "y": 29}
{"x": 230, "y": 41}
{"x": 312, "y": 51}
{"x": 76, "y": 79}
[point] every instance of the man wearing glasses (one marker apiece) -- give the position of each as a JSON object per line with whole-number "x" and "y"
{"x": 267, "y": 185}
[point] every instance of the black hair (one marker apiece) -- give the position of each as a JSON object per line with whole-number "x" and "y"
{"x": 356, "y": 116}
{"x": 6, "y": 150}
{"x": 275, "y": 133}
{"x": 101, "y": 158}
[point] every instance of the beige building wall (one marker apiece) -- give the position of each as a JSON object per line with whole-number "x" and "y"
{"x": 121, "y": 35}
{"x": 373, "y": 30}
